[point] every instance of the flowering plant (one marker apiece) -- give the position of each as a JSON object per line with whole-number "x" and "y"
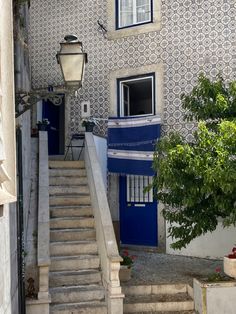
{"x": 89, "y": 120}
{"x": 233, "y": 253}
{"x": 128, "y": 260}
{"x": 44, "y": 121}
{"x": 217, "y": 276}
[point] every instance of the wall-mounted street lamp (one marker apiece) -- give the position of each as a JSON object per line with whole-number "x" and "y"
{"x": 72, "y": 61}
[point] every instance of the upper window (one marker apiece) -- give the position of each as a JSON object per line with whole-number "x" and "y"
{"x": 136, "y": 95}
{"x": 133, "y": 12}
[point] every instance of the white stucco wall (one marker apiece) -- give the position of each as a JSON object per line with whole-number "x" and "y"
{"x": 211, "y": 245}
{"x": 8, "y": 212}
{"x": 7, "y": 103}
{"x": 101, "y": 148}
{"x": 8, "y": 260}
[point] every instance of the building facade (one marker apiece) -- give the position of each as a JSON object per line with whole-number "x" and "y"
{"x": 142, "y": 55}
{"x": 8, "y": 213}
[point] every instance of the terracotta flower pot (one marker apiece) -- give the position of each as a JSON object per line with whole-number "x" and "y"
{"x": 125, "y": 273}
{"x": 230, "y": 267}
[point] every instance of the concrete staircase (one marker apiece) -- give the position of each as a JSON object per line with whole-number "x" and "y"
{"x": 75, "y": 277}
{"x": 159, "y": 299}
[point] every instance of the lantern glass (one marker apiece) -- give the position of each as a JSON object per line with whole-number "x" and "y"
{"x": 72, "y": 61}
{"x": 72, "y": 67}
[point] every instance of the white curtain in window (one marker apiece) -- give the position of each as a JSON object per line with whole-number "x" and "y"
{"x": 134, "y": 12}
{"x": 126, "y": 12}
{"x": 143, "y": 10}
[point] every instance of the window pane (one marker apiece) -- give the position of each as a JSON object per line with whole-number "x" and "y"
{"x": 135, "y": 186}
{"x": 143, "y": 9}
{"x": 126, "y": 12}
{"x": 137, "y": 96}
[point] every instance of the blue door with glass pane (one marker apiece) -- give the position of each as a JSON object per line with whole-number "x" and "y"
{"x": 138, "y": 212}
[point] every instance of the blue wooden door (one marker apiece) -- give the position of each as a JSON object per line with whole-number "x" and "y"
{"x": 55, "y": 115}
{"x": 138, "y": 212}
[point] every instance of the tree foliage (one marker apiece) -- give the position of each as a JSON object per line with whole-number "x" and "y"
{"x": 196, "y": 181}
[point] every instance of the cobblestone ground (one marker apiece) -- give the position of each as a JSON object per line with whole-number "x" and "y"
{"x": 158, "y": 268}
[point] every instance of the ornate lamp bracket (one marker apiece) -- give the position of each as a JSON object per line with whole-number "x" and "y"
{"x": 25, "y": 101}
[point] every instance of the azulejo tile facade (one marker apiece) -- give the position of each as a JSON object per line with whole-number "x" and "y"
{"x": 195, "y": 36}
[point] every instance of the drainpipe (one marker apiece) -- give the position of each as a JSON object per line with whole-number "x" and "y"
{"x": 20, "y": 225}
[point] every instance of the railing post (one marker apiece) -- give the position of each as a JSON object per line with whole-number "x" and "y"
{"x": 115, "y": 306}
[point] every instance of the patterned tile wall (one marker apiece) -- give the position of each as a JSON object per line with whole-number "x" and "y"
{"x": 196, "y": 36}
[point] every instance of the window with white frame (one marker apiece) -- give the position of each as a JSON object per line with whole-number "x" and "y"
{"x": 136, "y": 95}
{"x": 133, "y": 12}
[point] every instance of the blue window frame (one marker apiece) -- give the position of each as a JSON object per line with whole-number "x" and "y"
{"x": 133, "y": 12}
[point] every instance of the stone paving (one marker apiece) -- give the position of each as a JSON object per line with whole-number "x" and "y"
{"x": 159, "y": 268}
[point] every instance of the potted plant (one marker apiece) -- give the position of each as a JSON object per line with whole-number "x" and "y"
{"x": 230, "y": 264}
{"x": 126, "y": 266}
{"x": 89, "y": 124}
{"x": 43, "y": 125}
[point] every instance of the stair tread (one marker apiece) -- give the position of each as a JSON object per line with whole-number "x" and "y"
{"x": 67, "y": 173}
{"x": 76, "y": 242}
{"x": 80, "y": 180}
{"x": 69, "y": 218}
{"x": 74, "y": 272}
{"x": 69, "y": 163}
{"x": 162, "y": 312}
{"x": 80, "y": 288}
{"x": 153, "y": 298}
{"x": 80, "y": 304}
{"x": 82, "y": 256}
{"x": 73, "y": 186}
{"x": 72, "y": 230}
{"x": 68, "y": 195}
{"x": 70, "y": 206}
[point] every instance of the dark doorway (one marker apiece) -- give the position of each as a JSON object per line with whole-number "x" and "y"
{"x": 56, "y": 129}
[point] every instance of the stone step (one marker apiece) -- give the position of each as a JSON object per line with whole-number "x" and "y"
{"x": 55, "y": 164}
{"x": 79, "y": 308}
{"x": 68, "y": 222}
{"x": 77, "y": 294}
{"x": 69, "y": 200}
{"x": 65, "y": 190}
{"x": 63, "y": 180}
{"x": 73, "y": 211}
{"x": 72, "y": 248}
{"x": 67, "y": 172}
{"x": 158, "y": 302}
{"x": 163, "y": 312}
{"x": 73, "y": 263}
{"x": 72, "y": 234}
{"x": 155, "y": 289}
{"x": 73, "y": 278}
